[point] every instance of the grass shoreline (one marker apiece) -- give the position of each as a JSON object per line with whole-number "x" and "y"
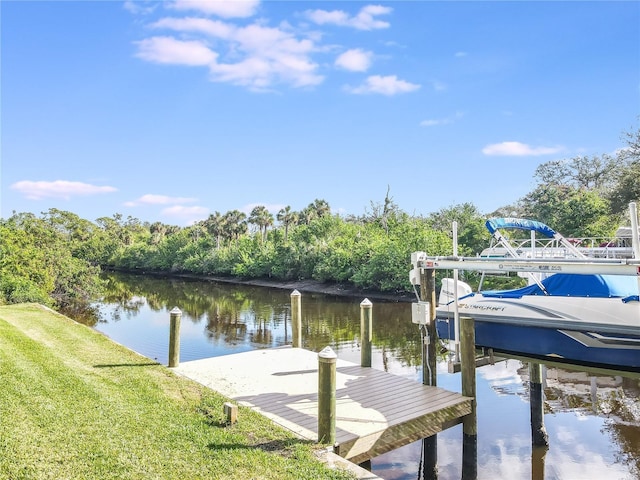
{"x": 75, "y": 405}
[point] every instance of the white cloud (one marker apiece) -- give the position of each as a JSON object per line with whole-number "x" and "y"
{"x": 256, "y": 56}
{"x": 389, "y": 85}
{"x": 188, "y": 215}
{"x": 177, "y": 52}
{"x": 150, "y": 199}
{"x": 517, "y": 149}
{"x": 214, "y": 28}
{"x": 365, "y": 19}
{"x": 58, "y": 189}
{"x": 140, "y": 7}
{"x": 336, "y": 17}
{"x": 225, "y": 9}
{"x": 441, "y": 121}
{"x": 460, "y": 54}
{"x": 355, "y": 60}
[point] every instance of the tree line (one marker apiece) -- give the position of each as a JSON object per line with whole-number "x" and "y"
{"x": 56, "y": 258}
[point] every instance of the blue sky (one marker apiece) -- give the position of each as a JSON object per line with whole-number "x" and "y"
{"x": 169, "y": 111}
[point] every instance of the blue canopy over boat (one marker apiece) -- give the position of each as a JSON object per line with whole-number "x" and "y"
{"x": 494, "y": 224}
{"x": 575, "y": 285}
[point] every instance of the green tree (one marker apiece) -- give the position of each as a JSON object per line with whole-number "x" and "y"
{"x": 316, "y": 209}
{"x": 473, "y": 236}
{"x": 627, "y": 178}
{"x": 384, "y": 212}
{"x": 287, "y": 217}
{"x": 575, "y": 197}
{"x": 627, "y": 188}
{"x": 215, "y": 226}
{"x": 158, "y": 231}
{"x": 321, "y": 207}
{"x": 235, "y": 224}
{"x": 84, "y": 237}
{"x": 37, "y": 264}
{"x": 591, "y": 173}
{"x": 262, "y": 218}
{"x": 571, "y": 211}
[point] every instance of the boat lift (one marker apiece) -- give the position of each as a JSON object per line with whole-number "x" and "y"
{"x": 580, "y": 264}
{"x": 576, "y": 264}
{"x": 601, "y": 266}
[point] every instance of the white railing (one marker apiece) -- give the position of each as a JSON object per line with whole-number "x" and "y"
{"x": 602, "y": 266}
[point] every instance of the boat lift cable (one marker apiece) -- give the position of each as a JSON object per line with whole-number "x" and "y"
{"x": 416, "y": 292}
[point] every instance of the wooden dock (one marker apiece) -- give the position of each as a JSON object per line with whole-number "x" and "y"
{"x": 375, "y": 411}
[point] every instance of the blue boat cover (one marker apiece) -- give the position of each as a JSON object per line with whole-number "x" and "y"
{"x": 574, "y": 285}
{"x": 494, "y": 224}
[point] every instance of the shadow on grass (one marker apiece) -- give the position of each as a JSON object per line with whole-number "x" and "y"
{"x": 116, "y": 365}
{"x": 282, "y": 447}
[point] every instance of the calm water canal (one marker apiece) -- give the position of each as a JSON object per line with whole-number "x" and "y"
{"x": 593, "y": 419}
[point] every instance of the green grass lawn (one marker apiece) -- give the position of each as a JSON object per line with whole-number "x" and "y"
{"x": 75, "y": 405}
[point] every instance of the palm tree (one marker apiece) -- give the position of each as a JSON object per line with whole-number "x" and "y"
{"x": 215, "y": 226}
{"x": 261, "y": 217}
{"x": 316, "y": 209}
{"x": 196, "y": 231}
{"x": 321, "y": 207}
{"x": 158, "y": 231}
{"x": 287, "y": 217}
{"x": 307, "y": 214}
{"x": 235, "y": 224}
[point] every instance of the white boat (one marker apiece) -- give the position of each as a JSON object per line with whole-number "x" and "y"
{"x": 586, "y": 310}
{"x": 587, "y": 319}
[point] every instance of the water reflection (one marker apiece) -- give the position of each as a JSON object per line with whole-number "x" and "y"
{"x": 237, "y": 318}
{"x": 593, "y": 422}
{"x": 593, "y": 419}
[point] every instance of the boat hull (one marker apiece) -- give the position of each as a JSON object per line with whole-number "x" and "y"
{"x": 586, "y": 331}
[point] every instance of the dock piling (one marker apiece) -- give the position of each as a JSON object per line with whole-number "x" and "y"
{"x": 429, "y": 364}
{"x": 469, "y": 422}
{"x": 327, "y": 360}
{"x": 296, "y": 319}
{"x": 366, "y": 334}
{"x": 428, "y": 294}
{"x": 174, "y": 337}
{"x": 539, "y": 435}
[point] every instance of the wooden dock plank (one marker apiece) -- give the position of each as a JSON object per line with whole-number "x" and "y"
{"x": 365, "y": 447}
{"x": 404, "y": 397}
{"x": 375, "y": 411}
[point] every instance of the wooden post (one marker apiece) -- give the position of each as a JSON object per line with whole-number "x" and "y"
{"x": 327, "y": 396}
{"x": 430, "y": 458}
{"x": 470, "y": 421}
{"x": 231, "y": 412}
{"x": 174, "y": 337}
{"x": 539, "y": 435}
{"x": 365, "y": 332}
{"x": 428, "y": 294}
{"x": 429, "y": 365}
{"x": 296, "y": 319}
{"x": 538, "y": 455}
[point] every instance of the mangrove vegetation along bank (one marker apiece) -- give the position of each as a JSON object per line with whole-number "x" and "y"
{"x": 77, "y": 405}
{"x": 55, "y": 258}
